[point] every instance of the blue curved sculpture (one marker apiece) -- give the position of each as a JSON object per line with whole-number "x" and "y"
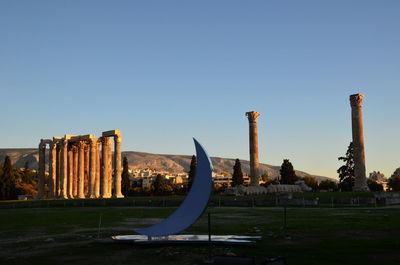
{"x": 194, "y": 204}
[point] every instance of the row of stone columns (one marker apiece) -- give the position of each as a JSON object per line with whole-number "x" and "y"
{"x": 77, "y": 168}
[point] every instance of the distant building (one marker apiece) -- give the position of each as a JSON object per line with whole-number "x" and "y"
{"x": 147, "y": 177}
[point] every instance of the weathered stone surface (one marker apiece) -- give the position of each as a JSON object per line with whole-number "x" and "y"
{"x": 117, "y": 166}
{"x": 81, "y": 169}
{"x": 70, "y": 173}
{"x": 358, "y": 143}
{"x": 106, "y": 170}
{"x": 78, "y": 170}
{"x": 92, "y": 170}
{"x": 98, "y": 166}
{"x": 75, "y": 154}
{"x": 63, "y": 169}
{"x": 51, "y": 184}
{"x": 111, "y": 133}
{"x": 253, "y": 143}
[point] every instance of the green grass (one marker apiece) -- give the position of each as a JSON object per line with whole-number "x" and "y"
{"x": 313, "y": 235}
{"x": 325, "y": 199}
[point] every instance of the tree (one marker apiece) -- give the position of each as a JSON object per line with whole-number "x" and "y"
{"x": 311, "y": 182}
{"x": 26, "y": 166}
{"x": 394, "y": 180}
{"x": 264, "y": 177}
{"x": 346, "y": 172}
{"x": 125, "y": 182}
{"x": 288, "y": 176}
{"x": 327, "y": 185}
{"x": 373, "y": 185}
{"x": 377, "y": 176}
{"x": 268, "y": 181}
{"x": 26, "y": 173}
{"x": 159, "y": 185}
{"x": 7, "y": 181}
{"x": 237, "y": 176}
{"x": 192, "y": 171}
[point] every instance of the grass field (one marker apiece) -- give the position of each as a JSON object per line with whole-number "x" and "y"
{"x": 70, "y": 235}
{"x": 324, "y": 199}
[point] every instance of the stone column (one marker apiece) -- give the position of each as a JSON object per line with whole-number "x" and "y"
{"x": 41, "y": 169}
{"x": 110, "y": 168}
{"x": 358, "y": 143}
{"x": 253, "y": 137}
{"x": 52, "y": 170}
{"x": 97, "y": 170}
{"x": 117, "y": 167}
{"x": 92, "y": 167}
{"x": 102, "y": 175}
{"x": 76, "y": 171}
{"x": 58, "y": 152}
{"x": 81, "y": 169}
{"x": 70, "y": 174}
{"x": 106, "y": 167}
{"x": 86, "y": 182}
{"x": 63, "y": 169}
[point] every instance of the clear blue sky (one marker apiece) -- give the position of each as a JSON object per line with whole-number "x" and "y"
{"x": 165, "y": 71}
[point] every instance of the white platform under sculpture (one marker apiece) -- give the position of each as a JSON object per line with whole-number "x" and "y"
{"x": 187, "y": 239}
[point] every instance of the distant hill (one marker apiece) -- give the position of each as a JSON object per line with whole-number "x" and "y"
{"x": 159, "y": 162}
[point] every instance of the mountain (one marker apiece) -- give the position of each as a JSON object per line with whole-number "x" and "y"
{"x": 159, "y": 162}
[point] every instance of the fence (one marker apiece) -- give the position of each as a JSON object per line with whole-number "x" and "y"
{"x": 270, "y": 201}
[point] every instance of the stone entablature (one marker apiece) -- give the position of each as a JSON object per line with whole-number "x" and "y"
{"x": 78, "y": 169}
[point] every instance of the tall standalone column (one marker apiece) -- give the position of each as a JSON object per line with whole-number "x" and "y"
{"x": 358, "y": 143}
{"x": 42, "y": 169}
{"x": 81, "y": 169}
{"x": 117, "y": 167}
{"x": 106, "y": 170}
{"x": 92, "y": 167}
{"x": 52, "y": 170}
{"x": 253, "y": 137}
{"x": 64, "y": 169}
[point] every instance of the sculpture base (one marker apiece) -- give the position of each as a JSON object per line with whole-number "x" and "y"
{"x": 187, "y": 239}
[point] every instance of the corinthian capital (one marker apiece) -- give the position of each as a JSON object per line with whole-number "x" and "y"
{"x": 356, "y": 100}
{"x": 252, "y": 116}
{"x": 81, "y": 144}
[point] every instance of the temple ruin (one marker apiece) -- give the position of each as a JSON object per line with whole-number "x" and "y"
{"x": 81, "y": 166}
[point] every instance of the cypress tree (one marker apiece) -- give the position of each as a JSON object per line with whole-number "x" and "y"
{"x": 288, "y": 176}
{"x": 237, "y": 176}
{"x": 25, "y": 175}
{"x": 125, "y": 183}
{"x": 7, "y": 181}
{"x": 192, "y": 171}
{"x": 159, "y": 185}
{"x": 346, "y": 172}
